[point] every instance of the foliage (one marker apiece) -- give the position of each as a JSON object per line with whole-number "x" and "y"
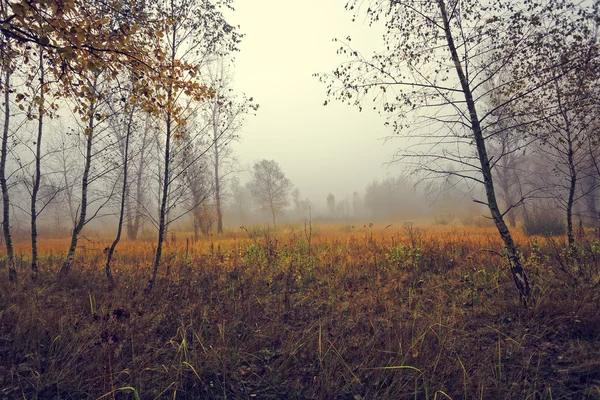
{"x": 81, "y": 39}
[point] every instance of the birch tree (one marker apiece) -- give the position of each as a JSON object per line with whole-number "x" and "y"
{"x": 226, "y": 114}
{"x": 197, "y": 31}
{"x": 431, "y": 80}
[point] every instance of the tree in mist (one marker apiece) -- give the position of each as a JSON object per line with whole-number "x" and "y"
{"x": 169, "y": 93}
{"x": 439, "y": 56}
{"x": 342, "y": 209}
{"x": 200, "y": 184}
{"x": 568, "y": 113}
{"x": 508, "y": 142}
{"x": 505, "y": 148}
{"x": 240, "y": 200}
{"x": 138, "y": 186}
{"x": 123, "y": 132}
{"x": 226, "y": 114}
{"x": 357, "y": 205}
{"x": 331, "y": 204}
{"x": 391, "y": 198}
{"x": 91, "y": 110}
{"x": 38, "y": 173}
{"x": 270, "y": 187}
{"x": 42, "y": 190}
{"x": 301, "y": 206}
{"x": 69, "y": 170}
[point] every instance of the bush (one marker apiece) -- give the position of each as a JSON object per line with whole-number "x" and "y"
{"x": 543, "y": 223}
{"x": 148, "y": 235}
{"x": 443, "y": 219}
{"x": 347, "y": 228}
{"x": 478, "y": 221}
{"x": 258, "y": 231}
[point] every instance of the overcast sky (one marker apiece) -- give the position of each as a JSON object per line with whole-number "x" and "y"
{"x": 321, "y": 149}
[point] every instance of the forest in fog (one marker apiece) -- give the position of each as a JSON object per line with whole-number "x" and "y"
{"x": 88, "y": 126}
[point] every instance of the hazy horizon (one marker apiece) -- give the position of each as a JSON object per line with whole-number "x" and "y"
{"x": 322, "y": 149}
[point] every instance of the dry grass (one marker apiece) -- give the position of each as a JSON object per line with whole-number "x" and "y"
{"x": 363, "y": 313}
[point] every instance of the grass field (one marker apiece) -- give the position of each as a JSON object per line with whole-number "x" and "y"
{"x": 353, "y": 313}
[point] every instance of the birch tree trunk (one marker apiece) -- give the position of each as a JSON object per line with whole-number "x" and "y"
{"x": 114, "y": 244}
{"x": 518, "y": 272}
{"x": 166, "y": 177}
{"x": 38, "y": 173}
{"x": 10, "y": 252}
{"x": 81, "y": 221}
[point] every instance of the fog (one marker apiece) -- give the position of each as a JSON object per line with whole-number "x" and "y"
{"x": 338, "y": 163}
{"x": 322, "y": 149}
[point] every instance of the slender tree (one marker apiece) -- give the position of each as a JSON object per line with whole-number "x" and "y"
{"x": 129, "y": 115}
{"x": 6, "y": 89}
{"x": 226, "y": 113}
{"x": 331, "y": 204}
{"x": 90, "y": 111}
{"x": 197, "y": 31}
{"x": 38, "y": 173}
{"x": 568, "y": 121}
{"x": 135, "y": 204}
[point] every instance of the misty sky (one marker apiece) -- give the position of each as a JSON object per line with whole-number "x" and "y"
{"x": 321, "y": 149}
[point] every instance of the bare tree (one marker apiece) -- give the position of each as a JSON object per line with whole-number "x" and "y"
{"x": 509, "y": 139}
{"x": 301, "y": 206}
{"x": 200, "y": 184}
{"x": 92, "y": 111}
{"x": 438, "y": 58}
{"x": 38, "y": 173}
{"x": 331, "y": 204}
{"x": 270, "y": 187}
{"x": 226, "y": 114}
{"x": 6, "y": 70}
{"x": 128, "y": 114}
{"x": 70, "y": 172}
{"x": 569, "y": 120}
{"x": 136, "y": 199}
{"x": 240, "y": 199}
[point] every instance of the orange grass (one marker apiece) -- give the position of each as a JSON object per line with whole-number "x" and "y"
{"x": 355, "y": 313}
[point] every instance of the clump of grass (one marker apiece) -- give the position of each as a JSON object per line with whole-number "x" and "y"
{"x": 258, "y": 231}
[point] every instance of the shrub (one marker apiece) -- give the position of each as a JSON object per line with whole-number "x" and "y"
{"x": 543, "y": 223}
{"x": 347, "y": 228}
{"x": 478, "y": 221}
{"x": 443, "y": 219}
{"x": 259, "y": 231}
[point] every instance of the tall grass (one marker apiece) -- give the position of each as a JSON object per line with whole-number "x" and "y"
{"x": 369, "y": 313}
